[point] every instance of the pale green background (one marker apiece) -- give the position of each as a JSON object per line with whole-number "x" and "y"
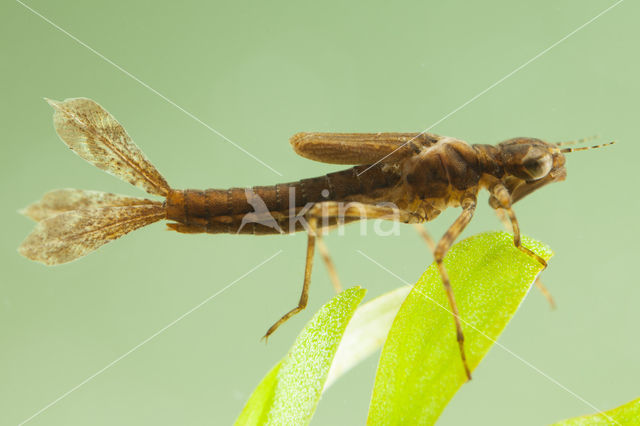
{"x": 258, "y": 72}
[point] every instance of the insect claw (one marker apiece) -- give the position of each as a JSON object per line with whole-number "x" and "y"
{"x": 466, "y": 370}
{"x": 530, "y": 253}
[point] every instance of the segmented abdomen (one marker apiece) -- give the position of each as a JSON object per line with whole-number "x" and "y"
{"x": 224, "y": 210}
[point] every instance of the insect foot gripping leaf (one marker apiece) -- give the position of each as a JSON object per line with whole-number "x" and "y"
{"x": 290, "y": 392}
{"x": 420, "y": 369}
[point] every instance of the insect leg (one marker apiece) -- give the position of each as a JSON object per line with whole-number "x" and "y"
{"x": 326, "y": 257}
{"x": 447, "y": 240}
{"x": 545, "y": 293}
{"x": 332, "y": 209}
{"x": 425, "y": 236}
{"x": 502, "y": 216}
{"x": 501, "y": 195}
{"x": 304, "y": 297}
{"x": 352, "y": 209}
{"x": 507, "y": 224}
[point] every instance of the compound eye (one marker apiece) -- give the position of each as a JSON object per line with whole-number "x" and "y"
{"x": 539, "y": 167}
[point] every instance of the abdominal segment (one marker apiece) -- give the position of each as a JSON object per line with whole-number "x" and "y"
{"x": 254, "y": 224}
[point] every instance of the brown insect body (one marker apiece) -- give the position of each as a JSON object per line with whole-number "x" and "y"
{"x": 222, "y": 210}
{"x": 407, "y": 177}
{"x": 436, "y": 177}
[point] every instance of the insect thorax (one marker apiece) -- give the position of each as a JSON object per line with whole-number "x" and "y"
{"x": 449, "y": 169}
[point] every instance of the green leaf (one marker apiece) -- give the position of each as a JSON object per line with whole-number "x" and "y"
{"x": 290, "y": 392}
{"x": 256, "y": 409}
{"x": 420, "y": 368}
{"x": 627, "y": 414}
{"x": 366, "y": 331}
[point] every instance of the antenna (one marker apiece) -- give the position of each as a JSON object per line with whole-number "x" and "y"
{"x": 578, "y": 141}
{"x": 586, "y": 147}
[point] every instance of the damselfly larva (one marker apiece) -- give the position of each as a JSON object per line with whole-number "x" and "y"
{"x": 407, "y": 177}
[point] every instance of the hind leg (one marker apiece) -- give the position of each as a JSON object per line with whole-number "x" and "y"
{"x": 330, "y": 209}
{"x": 304, "y": 297}
{"x": 334, "y": 210}
{"x": 326, "y": 257}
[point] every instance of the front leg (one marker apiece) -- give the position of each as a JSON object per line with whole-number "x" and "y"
{"x": 507, "y": 224}
{"x": 501, "y": 199}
